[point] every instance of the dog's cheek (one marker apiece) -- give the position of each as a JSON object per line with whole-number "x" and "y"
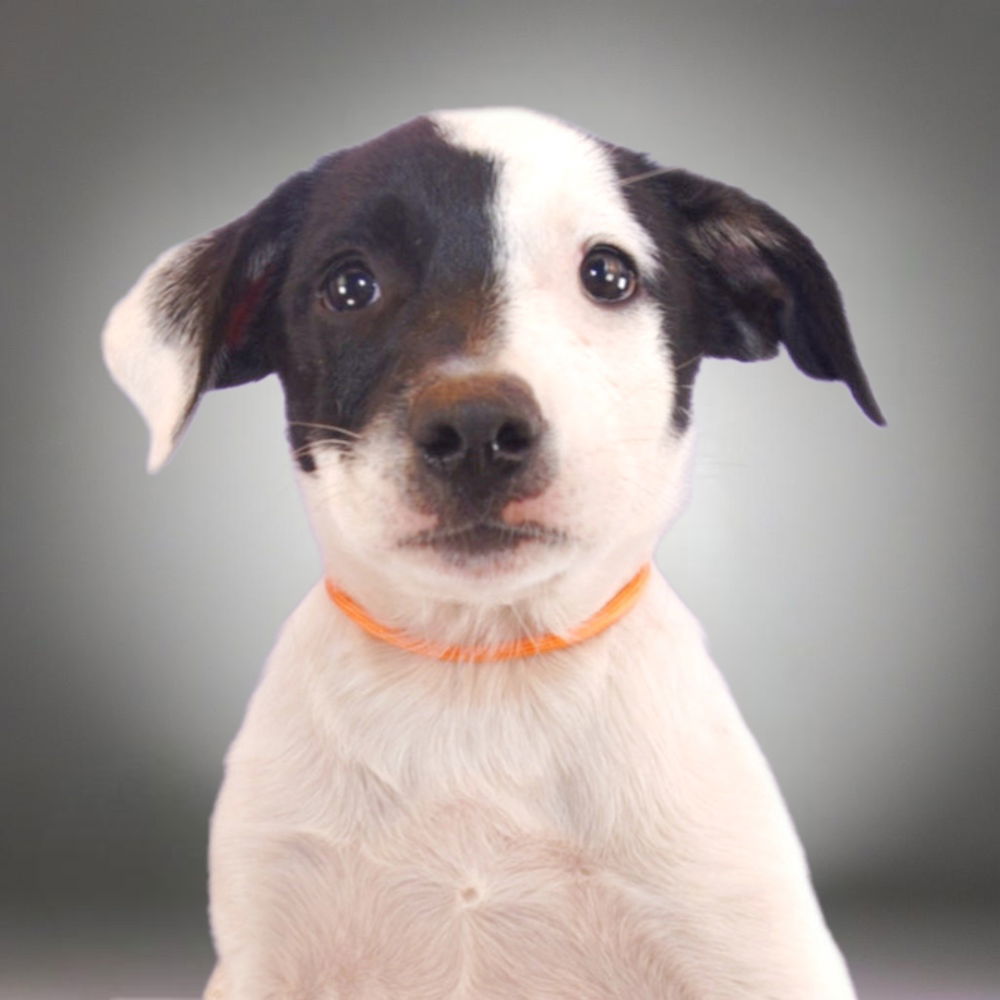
{"x": 652, "y": 463}
{"x": 357, "y": 501}
{"x": 604, "y": 383}
{"x": 638, "y": 459}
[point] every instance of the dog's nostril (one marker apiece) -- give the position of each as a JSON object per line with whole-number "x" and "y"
{"x": 513, "y": 440}
{"x": 476, "y": 429}
{"x": 442, "y": 442}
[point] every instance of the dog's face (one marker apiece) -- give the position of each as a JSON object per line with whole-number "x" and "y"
{"x": 487, "y": 325}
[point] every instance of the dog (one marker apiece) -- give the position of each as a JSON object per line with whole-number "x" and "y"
{"x": 490, "y": 756}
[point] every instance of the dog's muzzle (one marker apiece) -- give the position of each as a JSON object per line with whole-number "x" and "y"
{"x": 479, "y": 436}
{"x": 479, "y": 443}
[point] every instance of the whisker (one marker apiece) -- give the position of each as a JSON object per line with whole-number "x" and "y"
{"x": 304, "y": 449}
{"x": 336, "y": 437}
{"x": 690, "y": 361}
{"x": 325, "y": 427}
{"x": 648, "y": 175}
{"x": 519, "y": 617}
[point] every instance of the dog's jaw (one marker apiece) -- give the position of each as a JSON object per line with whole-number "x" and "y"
{"x": 554, "y": 578}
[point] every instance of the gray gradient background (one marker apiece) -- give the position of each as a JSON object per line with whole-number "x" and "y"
{"x": 847, "y": 576}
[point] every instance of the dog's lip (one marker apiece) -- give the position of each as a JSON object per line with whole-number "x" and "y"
{"x": 487, "y": 533}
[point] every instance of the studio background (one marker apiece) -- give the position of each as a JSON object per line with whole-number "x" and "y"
{"x": 847, "y": 576}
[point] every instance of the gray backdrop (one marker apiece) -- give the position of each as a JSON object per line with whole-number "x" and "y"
{"x": 847, "y": 576}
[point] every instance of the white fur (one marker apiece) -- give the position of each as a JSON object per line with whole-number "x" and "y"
{"x": 158, "y": 374}
{"x": 594, "y": 824}
{"x": 590, "y": 824}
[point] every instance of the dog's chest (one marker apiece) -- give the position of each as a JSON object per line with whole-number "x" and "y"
{"x": 477, "y": 891}
{"x": 462, "y": 896}
{"x": 472, "y": 837}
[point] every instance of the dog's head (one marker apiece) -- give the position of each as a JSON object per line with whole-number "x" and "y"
{"x": 487, "y": 325}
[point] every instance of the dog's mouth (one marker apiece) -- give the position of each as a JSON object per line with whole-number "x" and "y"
{"x": 484, "y": 537}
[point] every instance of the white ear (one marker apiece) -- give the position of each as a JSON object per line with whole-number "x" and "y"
{"x": 158, "y": 371}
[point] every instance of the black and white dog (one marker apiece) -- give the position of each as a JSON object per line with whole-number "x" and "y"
{"x": 490, "y": 758}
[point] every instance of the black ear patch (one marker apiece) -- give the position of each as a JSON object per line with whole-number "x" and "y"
{"x": 220, "y": 296}
{"x": 758, "y": 281}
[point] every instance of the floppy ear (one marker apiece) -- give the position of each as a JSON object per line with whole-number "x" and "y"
{"x": 763, "y": 284}
{"x": 203, "y": 316}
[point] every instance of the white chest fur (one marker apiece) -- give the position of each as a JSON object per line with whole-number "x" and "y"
{"x": 593, "y": 825}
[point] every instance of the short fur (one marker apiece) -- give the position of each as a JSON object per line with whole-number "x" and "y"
{"x": 486, "y": 451}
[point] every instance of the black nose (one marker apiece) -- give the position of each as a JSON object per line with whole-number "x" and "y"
{"x": 481, "y": 429}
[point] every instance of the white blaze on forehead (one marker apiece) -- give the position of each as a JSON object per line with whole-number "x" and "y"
{"x": 599, "y": 372}
{"x": 556, "y": 186}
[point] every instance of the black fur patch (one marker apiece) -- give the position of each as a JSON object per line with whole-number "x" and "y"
{"x": 752, "y": 281}
{"x": 221, "y": 293}
{"x": 416, "y": 210}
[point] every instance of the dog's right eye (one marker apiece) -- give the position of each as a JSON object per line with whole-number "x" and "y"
{"x": 350, "y": 286}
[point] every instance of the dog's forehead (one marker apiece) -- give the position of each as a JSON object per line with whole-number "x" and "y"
{"x": 555, "y": 183}
{"x": 399, "y": 191}
{"x": 515, "y": 181}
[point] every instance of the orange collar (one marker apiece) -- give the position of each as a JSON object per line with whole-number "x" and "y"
{"x": 612, "y": 612}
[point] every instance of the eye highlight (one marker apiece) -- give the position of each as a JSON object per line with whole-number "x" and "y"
{"x": 350, "y": 286}
{"x": 608, "y": 274}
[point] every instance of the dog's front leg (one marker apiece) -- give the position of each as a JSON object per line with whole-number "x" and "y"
{"x": 246, "y": 920}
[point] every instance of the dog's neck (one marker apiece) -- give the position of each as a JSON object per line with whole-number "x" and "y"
{"x": 561, "y": 605}
{"x": 517, "y": 649}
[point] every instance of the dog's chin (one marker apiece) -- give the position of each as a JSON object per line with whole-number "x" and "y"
{"x": 488, "y": 547}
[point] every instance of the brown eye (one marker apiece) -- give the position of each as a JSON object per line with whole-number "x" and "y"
{"x": 350, "y": 286}
{"x": 608, "y": 275}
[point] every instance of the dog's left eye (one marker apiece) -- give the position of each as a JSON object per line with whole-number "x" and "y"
{"x": 350, "y": 286}
{"x": 608, "y": 275}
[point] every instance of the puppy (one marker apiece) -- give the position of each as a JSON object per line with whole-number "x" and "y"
{"x": 490, "y": 757}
